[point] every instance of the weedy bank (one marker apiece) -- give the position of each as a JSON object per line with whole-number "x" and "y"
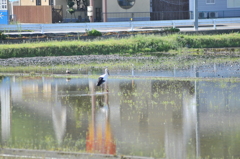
{"x": 144, "y": 44}
{"x": 168, "y": 51}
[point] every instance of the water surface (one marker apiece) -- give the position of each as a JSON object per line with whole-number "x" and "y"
{"x": 140, "y": 117}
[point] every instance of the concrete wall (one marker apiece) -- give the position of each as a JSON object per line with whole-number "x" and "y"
{"x": 139, "y": 6}
{"x": 16, "y": 3}
{"x": 45, "y": 2}
{"x": 27, "y": 2}
{"x": 33, "y": 2}
{"x": 220, "y": 7}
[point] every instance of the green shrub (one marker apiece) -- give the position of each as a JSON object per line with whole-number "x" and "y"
{"x": 2, "y": 36}
{"x": 94, "y": 33}
{"x": 71, "y": 10}
{"x": 172, "y": 29}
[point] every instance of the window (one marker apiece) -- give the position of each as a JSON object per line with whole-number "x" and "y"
{"x": 3, "y": 4}
{"x": 233, "y": 3}
{"x": 38, "y": 2}
{"x": 210, "y": 1}
{"x": 51, "y": 2}
{"x": 126, "y": 4}
{"x": 150, "y": 5}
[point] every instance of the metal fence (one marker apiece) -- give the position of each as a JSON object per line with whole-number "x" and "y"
{"x": 220, "y": 23}
{"x": 57, "y": 13}
{"x": 146, "y": 16}
{"x": 168, "y": 15}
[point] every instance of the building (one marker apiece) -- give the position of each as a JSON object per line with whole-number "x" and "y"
{"x": 169, "y": 9}
{"x": 4, "y": 12}
{"x": 118, "y": 10}
{"x": 134, "y": 10}
{"x": 103, "y": 10}
{"x": 217, "y": 9}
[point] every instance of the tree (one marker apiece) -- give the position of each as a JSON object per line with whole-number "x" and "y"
{"x": 70, "y": 9}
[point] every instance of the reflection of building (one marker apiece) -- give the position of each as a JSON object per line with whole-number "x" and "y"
{"x": 155, "y": 116}
{"x": 5, "y": 109}
{"x": 100, "y": 137}
{"x": 177, "y": 138}
{"x": 147, "y": 116}
{"x": 162, "y": 119}
{"x": 59, "y": 117}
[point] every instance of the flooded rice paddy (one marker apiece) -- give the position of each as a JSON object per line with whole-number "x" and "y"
{"x": 148, "y": 117}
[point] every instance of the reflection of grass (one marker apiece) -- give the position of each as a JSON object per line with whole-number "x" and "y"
{"x": 168, "y": 102}
{"x": 23, "y": 75}
{"x": 48, "y": 143}
{"x": 223, "y": 85}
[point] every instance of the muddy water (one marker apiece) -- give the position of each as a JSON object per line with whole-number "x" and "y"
{"x": 140, "y": 117}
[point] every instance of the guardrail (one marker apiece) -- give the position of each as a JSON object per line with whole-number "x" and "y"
{"x": 116, "y": 26}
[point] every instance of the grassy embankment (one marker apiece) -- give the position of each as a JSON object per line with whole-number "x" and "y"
{"x": 169, "y": 47}
{"x": 131, "y": 45}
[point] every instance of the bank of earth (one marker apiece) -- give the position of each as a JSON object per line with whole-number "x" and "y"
{"x": 143, "y": 51}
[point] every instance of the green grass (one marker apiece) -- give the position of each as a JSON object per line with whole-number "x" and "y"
{"x": 179, "y": 61}
{"x": 169, "y": 51}
{"x": 131, "y": 45}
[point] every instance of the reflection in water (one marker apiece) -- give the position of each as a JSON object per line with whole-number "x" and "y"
{"x": 157, "y": 118}
{"x": 59, "y": 116}
{"x": 100, "y": 138}
{"x": 132, "y": 69}
{"x": 178, "y": 137}
{"x": 68, "y": 79}
{"x": 210, "y": 70}
{"x": 5, "y": 109}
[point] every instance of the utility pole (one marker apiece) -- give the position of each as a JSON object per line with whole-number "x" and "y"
{"x": 196, "y": 15}
{"x": 91, "y": 14}
{"x": 104, "y": 6}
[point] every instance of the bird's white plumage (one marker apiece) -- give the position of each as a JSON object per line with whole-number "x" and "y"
{"x": 68, "y": 71}
{"x": 103, "y": 78}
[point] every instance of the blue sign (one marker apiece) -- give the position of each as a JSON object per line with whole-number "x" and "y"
{"x": 4, "y": 18}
